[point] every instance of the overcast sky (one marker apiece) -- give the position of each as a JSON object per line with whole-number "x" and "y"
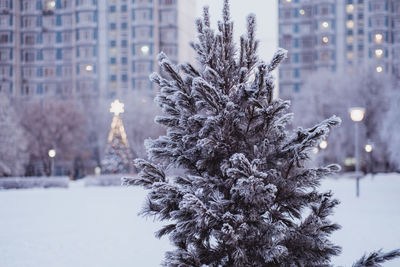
{"x": 267, "y": 20}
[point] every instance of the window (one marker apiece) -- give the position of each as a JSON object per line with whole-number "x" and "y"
{"x": 169, "y": 50}
{"x": 305, "y": 28}
{"x": 67, "y": 71}
{"x": 286, "y": 41}
{"x": 3, "y": 38}
{"x": 28, "y": 22}
{"x": 167, "y": 2}
{"x": 66, "y": 20}
{"x": 168, "y": 35}
{"x": 378, "y": 21}
{"x": 28, "y": 72}
{"x": 141, "y": 84}
{"x": 168, "y": 16}
{"x": 66, "y": 3}
{"x": 286, "y": 13}
{"x": 4, "y": 71}
{"x": 4, "y": 55}
{"x": 4, "y": 4}
{"x": 4, "y": 21}
{"x": 29, "y": 39}
{"x": 49, "y": 71}
{"x": 142, "y": 49}
{"x": 143, "y": 14}
{"x": 49, "y": 54}
{"x": 49, "y": 21}
{"x": 306, "y": 41}
{"x": 286, "y": 28}
{"x": 307, "y": 57}
{"x": 67, "y": 37}
{"x": 377, "y": 6}
{"x": 67, "y": 54}
{"x": 306, "y": 11}
{"x": 87, "y": 17}
{"x": 143, "y": 67}
{"x": 324, "y": 55}
{"x": 85, "y": 52}
{"x": 29, "y": 56}
{"x": 49, "y": 37}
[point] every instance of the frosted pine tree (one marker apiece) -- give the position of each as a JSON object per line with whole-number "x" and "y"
{"x": 244, "y": 195}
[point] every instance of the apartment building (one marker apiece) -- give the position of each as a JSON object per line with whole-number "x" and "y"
{"x": 73, "y": 48}
{"x": 337, "y": 35}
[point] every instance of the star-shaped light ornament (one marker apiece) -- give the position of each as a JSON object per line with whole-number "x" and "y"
{"x": 117, "y": 107}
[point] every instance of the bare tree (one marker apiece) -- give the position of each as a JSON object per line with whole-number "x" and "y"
{"x": 391, "y": 128}
{"x": 13, "y": 144}
{"x": 140, "y": 111}
{"x": 52, "y": 124}
{"x": 326, "y": 93}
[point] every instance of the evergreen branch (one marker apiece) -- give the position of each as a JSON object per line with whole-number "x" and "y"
{"x": 375, "y": 258}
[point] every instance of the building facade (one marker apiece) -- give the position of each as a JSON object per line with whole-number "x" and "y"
{"x": 337, "y": 35}
{"x": 73, "y": 48}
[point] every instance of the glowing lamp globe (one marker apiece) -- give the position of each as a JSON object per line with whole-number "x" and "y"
{"x": 52, "y": 153}
{"x": 357, "y": 114}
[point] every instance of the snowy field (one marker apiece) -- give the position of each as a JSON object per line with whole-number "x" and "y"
{"x": 99, "y": 226}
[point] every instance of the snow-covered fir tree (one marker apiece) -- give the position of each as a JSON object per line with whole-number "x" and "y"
{"x": 244, "y": 195}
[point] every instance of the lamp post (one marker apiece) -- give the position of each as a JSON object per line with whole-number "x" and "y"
{"x": 357, "y": 115}
{"x": 52, "y": 154}
{"x": 368, "y": 148}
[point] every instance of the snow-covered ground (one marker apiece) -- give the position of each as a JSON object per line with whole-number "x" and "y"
{"x": 99, "y": 226}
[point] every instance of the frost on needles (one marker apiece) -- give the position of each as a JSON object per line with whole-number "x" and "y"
{"x": 244, "y": 195}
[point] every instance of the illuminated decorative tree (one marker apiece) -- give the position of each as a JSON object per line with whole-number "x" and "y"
{"x": 118, "y": 154}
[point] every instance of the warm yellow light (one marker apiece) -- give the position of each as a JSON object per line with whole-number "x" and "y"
{"x": 368, "y": 148}
{"x": 288, "y": 1}
{"x": 89, "y": 67}
{"x": 97, "y": 170}
{"x": 145, "y": 49}
{"x": 51, "y": 4}
{"x": 350, "y": 55}
{"x": 350, "y": 8}
{"x": 117, "y": 107}
{"x": 357, "y": 114}
{"x": 379, "y": 69}
{"x": 302, "y": 12}
{"x": 350, "y": 39}
{"x": 52, "y": 153}
{"x": 315, "y": 150}
{"x": 325, "y": 24}
{"x": 378, "y": 53}
{"x": 350, "y": 24}
{"x": 323, "y": 144}
{"x": 325, "y": 39}
{"x": 378, "y": 38}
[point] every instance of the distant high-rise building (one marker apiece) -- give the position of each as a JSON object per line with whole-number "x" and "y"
{"x": 337, "y": 35}
{"x": 66, "y": 48}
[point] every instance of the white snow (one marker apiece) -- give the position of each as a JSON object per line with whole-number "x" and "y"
{"x": 99, "y": 226}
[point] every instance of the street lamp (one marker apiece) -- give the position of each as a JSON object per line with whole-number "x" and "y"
{"x": 52, "y": 154}
{"x": 357, "y": 115}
